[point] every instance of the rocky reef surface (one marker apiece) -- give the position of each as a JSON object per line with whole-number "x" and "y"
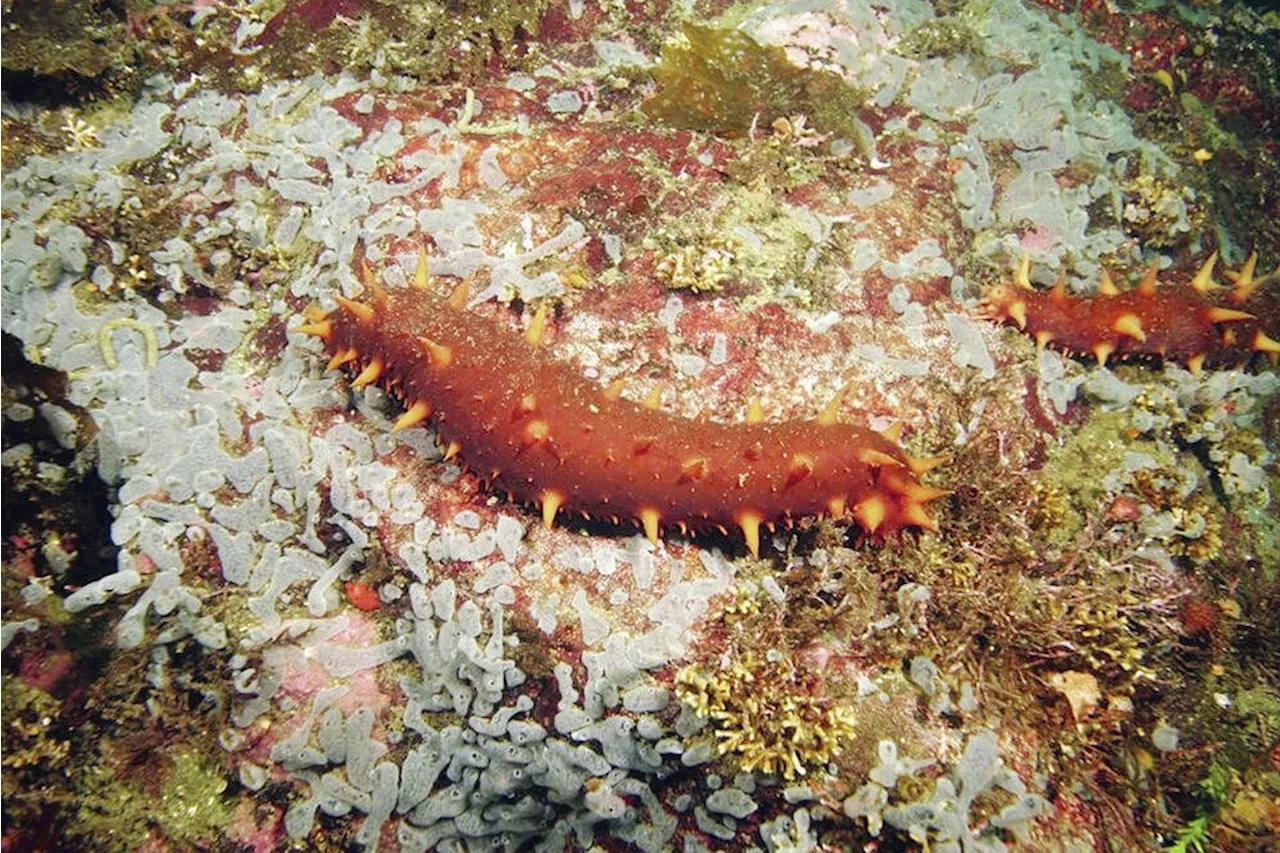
{"x": 240, "y": 613}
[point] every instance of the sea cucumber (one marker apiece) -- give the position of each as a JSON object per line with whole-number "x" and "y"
{"x": 1198, "y": 323}
{"x": 535, "y": 428}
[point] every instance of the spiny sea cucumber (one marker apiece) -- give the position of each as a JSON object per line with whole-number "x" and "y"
{"x": 1194, "y": 324}
{"x": 533, "y": 427}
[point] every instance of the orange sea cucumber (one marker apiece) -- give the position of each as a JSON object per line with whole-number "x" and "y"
{"x": 535, "y": 428}
{"x": 1194, "y": 324}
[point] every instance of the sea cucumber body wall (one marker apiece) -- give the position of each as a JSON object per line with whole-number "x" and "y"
{"x": 1193, "y": 324}
{"x": 533, "y": 427}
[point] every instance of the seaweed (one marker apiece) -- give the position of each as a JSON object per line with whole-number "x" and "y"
{"x": 722, "y": 80}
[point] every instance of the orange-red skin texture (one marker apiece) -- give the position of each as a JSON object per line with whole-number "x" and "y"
{"x": 1174, "y": 321}
{"x": 608, "y": 458}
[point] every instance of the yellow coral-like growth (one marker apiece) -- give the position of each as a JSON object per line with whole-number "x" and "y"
{"x": 773, "y": 717}
{"x": 698, "y": 268}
